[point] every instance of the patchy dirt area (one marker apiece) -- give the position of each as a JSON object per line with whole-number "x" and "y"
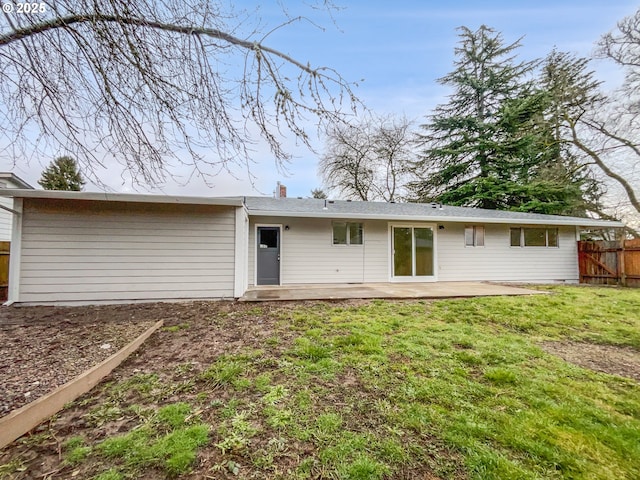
{"x": 42, "y": 348}
{"x": 43, "y": 342}
{"x": 194, "y": 335}
{"x": 622, "y": 361}
{"x": 45, "y": 347}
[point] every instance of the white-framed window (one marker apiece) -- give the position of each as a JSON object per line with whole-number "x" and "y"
{"x": 348, "y": 233}
{"x": 534, "y": 237}
{"x": 474, "y": 236}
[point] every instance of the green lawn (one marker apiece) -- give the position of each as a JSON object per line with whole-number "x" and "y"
{"x": 389, "y": 390}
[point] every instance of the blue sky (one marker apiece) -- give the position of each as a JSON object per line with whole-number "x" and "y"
{"x": 399, "y": 48}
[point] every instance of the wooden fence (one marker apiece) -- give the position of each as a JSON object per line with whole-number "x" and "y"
{"x": 4, "y": 270}
{"x": 610, "y": 263}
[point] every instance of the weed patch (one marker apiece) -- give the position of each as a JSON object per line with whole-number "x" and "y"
{"x": 167, "y": 439}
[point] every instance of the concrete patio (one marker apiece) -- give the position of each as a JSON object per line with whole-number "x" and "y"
{"x": 267, "y": 293}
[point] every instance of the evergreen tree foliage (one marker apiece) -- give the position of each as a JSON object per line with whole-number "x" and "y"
{"x": 487, "y": 146}
{"x": 572, "y": 92}
{"x": 318, "y": 193}
{"x": 62, "y": 174}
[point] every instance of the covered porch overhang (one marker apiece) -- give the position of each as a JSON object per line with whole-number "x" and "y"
{"x": 265, "y": 293}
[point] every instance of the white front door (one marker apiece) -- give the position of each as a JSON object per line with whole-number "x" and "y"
{"x": 413, "y": 250}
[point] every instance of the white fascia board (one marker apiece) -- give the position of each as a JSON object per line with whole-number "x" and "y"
{"x": 560, "y": 221}
{"x": 121, "y": 197}
{"x": 12, "y": 177}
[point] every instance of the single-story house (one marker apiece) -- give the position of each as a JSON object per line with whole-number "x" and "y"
{"x": 93, "y": 247}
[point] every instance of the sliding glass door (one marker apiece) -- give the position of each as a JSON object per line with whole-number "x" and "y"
{"x": 413, "y": 252}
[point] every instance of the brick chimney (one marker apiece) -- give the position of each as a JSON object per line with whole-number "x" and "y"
{"x": 281, "y": 191}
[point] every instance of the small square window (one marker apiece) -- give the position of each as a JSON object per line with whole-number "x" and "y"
{"x": 479, "y": 236}
{"x": 474, "y": 236}
{"x": 515, "y": 237}
{"x": 535, "y": 237}
{"x": 468, "y": 236}
{"x": 268, "y": 237}
{"x": 355, "y": 234}
{"x": 347, "y": 233}
{"x": 339, "y": 233}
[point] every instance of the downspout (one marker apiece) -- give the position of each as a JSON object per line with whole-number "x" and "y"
{"x": 15, "y": 255}
{"x": 241, "y": 251}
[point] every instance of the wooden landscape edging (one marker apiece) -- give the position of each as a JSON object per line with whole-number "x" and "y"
{"x": 22, "y": 420}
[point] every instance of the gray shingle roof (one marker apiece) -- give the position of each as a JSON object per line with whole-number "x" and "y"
{"x": 311, "y": 207}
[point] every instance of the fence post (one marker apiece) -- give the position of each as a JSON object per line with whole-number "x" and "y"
{"x": 622, "y": 274}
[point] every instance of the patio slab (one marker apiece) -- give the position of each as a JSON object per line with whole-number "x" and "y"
{"x": 267, "y": 293}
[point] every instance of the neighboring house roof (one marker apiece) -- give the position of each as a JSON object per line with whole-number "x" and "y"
{"x": 15, "y": 180}
{"x": 431, "y": 212}
{"x": 340, "y": 209}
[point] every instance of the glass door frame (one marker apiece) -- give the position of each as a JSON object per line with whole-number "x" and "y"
{"x": 413, "y": 278}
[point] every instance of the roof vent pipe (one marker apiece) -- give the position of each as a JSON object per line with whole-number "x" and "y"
{"x": 325, "y": 205}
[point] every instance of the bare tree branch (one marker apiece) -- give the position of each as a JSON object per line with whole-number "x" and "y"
{"x": 156, "y": 83}
{"x": 607, "y": 171}
{"x": 368, "y": 160}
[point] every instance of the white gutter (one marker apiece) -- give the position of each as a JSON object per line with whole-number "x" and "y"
{"x": 574, "y": 221}
{"x": 239, "y": 202}
{"x": 121, "y": 197}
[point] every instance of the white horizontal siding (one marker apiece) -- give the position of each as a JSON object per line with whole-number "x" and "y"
{"x": 6, "y": 219}
{"x": 498, "y": 261}
{"x": 377, "y": 251}
{"x": 308, "y": 255}
{"x": 100, "y": 251}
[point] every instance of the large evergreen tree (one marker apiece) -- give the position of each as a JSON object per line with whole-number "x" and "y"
{"x": 62, "y": 174}
{"x": 486, "y": 147}
{"x": 572, "y": 91}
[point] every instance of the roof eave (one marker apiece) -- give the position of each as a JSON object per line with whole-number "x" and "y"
{"x": 17, "y": 180}
{"x": 121, "y": 197}
{"x": 572, "y": 221}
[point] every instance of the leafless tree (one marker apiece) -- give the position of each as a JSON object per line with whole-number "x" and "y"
{"x": 369, "y": 159}
{"x": 617, "y": 151}
{"x": 623, "y": 47}
{"x": 141, "y": 81}
{"x": 600, "y": 127}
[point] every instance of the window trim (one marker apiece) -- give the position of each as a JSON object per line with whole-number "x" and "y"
{"x": 475, "y": 229}
{"x": 348, "y": 234}
{"x": 546, "y": 237}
